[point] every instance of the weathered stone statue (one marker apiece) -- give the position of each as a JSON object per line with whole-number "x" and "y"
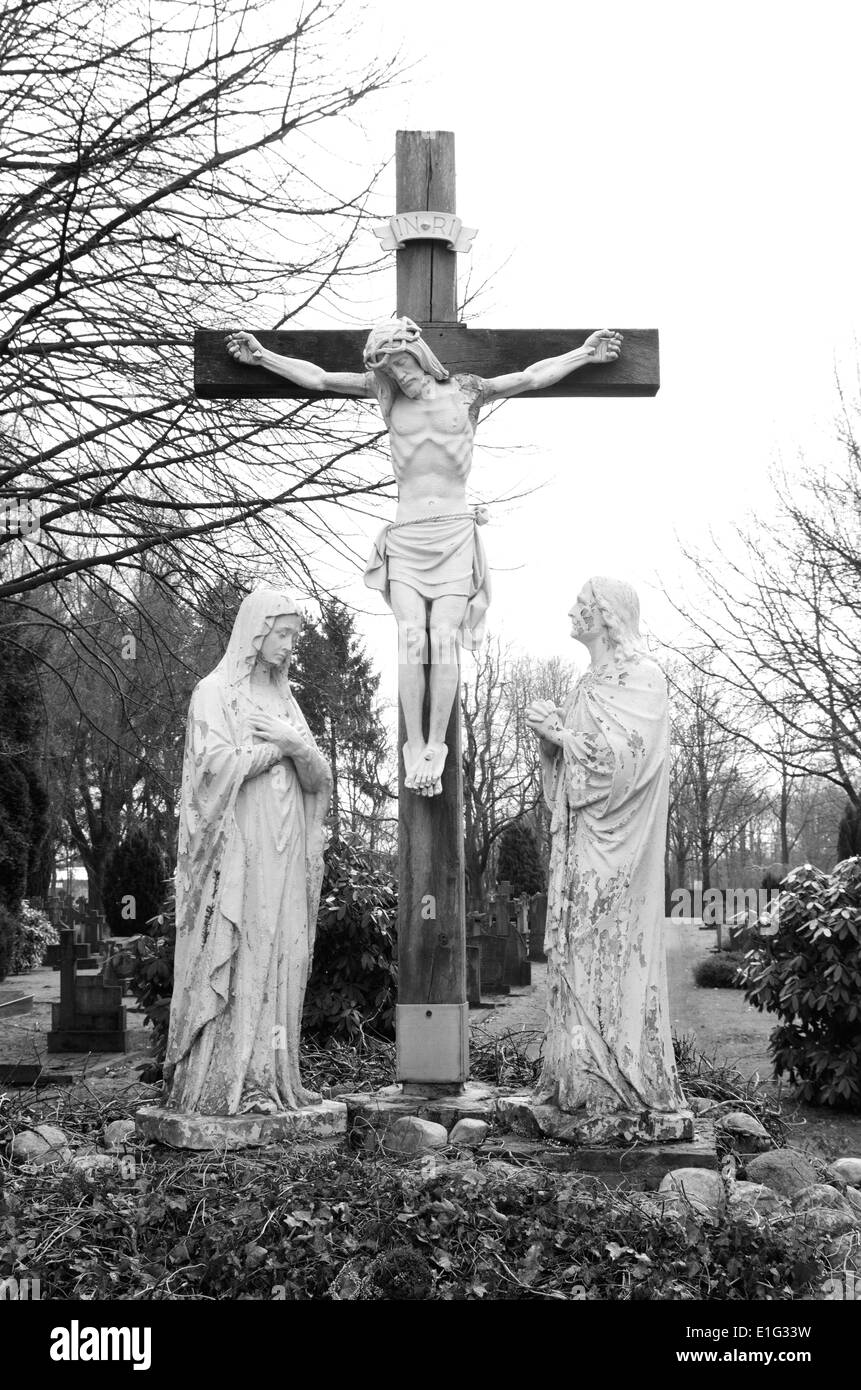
{"x": 429, "y": 563}
{"x": 609, "y": 1070}
{"x": 255, "y": 790}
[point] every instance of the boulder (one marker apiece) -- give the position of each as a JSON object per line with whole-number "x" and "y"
{"x": 827, "y": 1221}
{"x": 785, "y": 1170}
{"x": 844, "y": 1253}
{"x": 91, "y": 1163}
{"x": 742, "y": 1132}
{"x": 701, "y": 1187}
{"x": 853, "y": 1197}
{"x": 469, "y": 1133}
{"x": 847, "y": 1170}
{"x": 412, "y": 1135}
{"x": 754, "y": 1201}
{"x": 43, "y": 1146}
{"x": 117, "y": 1134}
{"x": 821, "y": 1194}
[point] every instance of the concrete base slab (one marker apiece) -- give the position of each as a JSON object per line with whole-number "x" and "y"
{"x": 530, "y": 1117}
{"x": 98, "y": 1040}
{"x": 15, "y": 1004}
{"x": 370, "y": 1113}
{"x": 181, "y": 1130}
{"x": 640, "y": 1166}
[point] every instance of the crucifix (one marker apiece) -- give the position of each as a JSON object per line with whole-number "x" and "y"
{"x": 430, "y": 375}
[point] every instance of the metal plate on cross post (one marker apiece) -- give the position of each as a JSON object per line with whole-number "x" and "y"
{"x": 433, "y": 1043}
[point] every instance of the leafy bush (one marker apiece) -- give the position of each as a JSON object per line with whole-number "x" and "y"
{"x": 34, "y": 935}
{"x": 24, "y": 935}
{"x": 353, "y": 983}
{"x": 147, "y": 962}
{"x": 286, "y": 1225}
{"x": 808, "y": 972}
{"x": 719, "y": 971}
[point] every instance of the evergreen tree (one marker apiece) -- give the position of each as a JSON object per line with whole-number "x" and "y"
{"x": 23, "y": 798}
{"x": 336, "y": 686}
{"x": 520, "y": 861}
{"x": 135, "y": 886}
{"x": 849, "y": 832}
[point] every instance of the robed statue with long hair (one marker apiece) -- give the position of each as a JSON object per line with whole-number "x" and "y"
{"x": 608, "y": 1060}
{"x": 255, "y": 791}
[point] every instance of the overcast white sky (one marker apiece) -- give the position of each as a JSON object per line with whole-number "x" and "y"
{"x": 686, "y": 166}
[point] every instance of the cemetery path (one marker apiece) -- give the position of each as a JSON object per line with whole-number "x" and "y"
{"x": 720, "y": 1022}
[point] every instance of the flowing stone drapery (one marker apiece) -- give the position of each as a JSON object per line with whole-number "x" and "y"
{"x": 608, "y": 1050}
{"x": 249, "y": 873}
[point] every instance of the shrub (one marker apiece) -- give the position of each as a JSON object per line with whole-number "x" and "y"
{"x": 720, "y": 971}
{"x": 353, "y": 984}
{"x": 808, "y": 972}
{"x": 148, "y": 966}
{"x": 35, "y": 934}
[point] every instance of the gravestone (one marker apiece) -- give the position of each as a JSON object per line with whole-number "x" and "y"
{"x": 90, "y": 1016}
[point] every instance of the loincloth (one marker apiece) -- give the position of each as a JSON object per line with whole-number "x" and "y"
{"x": 436, "y": 556}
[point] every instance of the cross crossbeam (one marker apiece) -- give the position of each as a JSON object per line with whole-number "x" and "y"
{"x": 488, "y": 352}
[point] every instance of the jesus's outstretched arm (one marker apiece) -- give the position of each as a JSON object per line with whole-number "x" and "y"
{"x": 604, "y": 345}
{"x": 244, "y": 347}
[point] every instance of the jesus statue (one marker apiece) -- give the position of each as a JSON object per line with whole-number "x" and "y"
{"x": 429, "y": 562}
{"x": 608, "y": 1065}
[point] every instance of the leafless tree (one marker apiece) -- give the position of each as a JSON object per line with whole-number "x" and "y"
{"x": 716, "y": 785}
{"x": 161, "y": 169}
{"x": 780, "y": 618}
{"x": 501, "y": 776}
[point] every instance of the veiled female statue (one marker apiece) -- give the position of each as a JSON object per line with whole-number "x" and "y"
{"x": 255, "y": 790}
{"x": 608, "y": 1058}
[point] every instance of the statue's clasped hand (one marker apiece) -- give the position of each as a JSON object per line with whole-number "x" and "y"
{"x": 278, "y": 731}
{"x": 544, "y": 720}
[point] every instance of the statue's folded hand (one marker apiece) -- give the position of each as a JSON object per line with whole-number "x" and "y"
{"x": 273, "y": 729}
{"x": 543, "y": 719}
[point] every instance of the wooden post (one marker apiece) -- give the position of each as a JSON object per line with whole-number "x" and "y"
{"x": 432, "y": 1011}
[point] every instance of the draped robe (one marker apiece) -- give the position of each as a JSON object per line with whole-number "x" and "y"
{"x": 608, "y": 1049}
{"x": 249, "y": 873}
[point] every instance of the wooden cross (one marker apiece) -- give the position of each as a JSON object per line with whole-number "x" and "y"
{"x": 432, "y": 1014}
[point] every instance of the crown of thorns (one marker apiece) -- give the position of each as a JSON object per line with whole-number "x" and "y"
{"x": 401, "y": 335}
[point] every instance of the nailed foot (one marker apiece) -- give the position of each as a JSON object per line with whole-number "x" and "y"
{"x": 412, "y": 755}
{"x": 427, "y": 772}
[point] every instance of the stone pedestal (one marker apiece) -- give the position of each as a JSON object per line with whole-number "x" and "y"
{"x": 179, "y": 1129}
{"x": 529, "y": 1117}
{"x": 372, "y": 1113}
